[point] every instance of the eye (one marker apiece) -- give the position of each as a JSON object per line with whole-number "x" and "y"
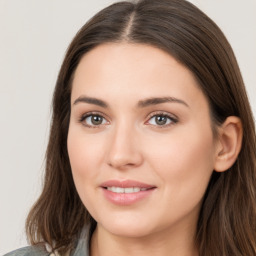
{"x": 93, "y": 120}
{"x": 162, "y": 120}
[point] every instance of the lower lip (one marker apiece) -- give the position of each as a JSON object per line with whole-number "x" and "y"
{"x": 126, "y": 198}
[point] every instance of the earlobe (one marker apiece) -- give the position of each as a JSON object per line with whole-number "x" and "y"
{"x": 229, "y": 143}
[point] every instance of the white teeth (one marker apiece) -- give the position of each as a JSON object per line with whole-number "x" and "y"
{"x": 119, "y": 190}
{"x": 125, "y": 190}
{"x": 137, "y": 189}
{"x": 128, "y": 190}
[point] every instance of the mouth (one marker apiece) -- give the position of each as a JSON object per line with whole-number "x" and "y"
{"x": 126, "y": 192}
{"x": 121, "y": 190}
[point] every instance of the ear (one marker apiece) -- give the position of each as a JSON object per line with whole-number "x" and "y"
{"x": 229, "y": 143}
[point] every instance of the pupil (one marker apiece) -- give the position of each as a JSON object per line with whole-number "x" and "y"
{"x": 96, "y": 120}
{"x": 161, "y": 120}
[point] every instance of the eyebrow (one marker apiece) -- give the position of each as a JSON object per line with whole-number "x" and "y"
{"x": 159, "y": 100}
{"x": 89, "y": 100}
{"x": 141, "y": 103}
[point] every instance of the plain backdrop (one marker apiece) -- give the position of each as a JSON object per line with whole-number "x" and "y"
{"x": 34, "y": 35}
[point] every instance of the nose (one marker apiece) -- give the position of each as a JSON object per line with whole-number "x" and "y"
{"x": 124, "y": 150}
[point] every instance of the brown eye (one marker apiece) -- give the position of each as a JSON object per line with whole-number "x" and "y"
{"x": 96, "y": 120}
{"x": 162, "y": 120}
{"x": 93, "y": 120}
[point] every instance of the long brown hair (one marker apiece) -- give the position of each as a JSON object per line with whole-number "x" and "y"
{"x": 227, "y": 221}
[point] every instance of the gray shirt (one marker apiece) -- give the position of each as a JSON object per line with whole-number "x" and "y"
{"x": 80, "y": 250}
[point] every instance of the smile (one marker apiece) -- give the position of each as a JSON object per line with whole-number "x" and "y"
{"x": 126, "y": 190}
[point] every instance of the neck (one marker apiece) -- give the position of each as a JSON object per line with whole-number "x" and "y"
{"x": 164, "y": 243}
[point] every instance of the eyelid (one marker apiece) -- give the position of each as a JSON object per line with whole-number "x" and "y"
{"x": 173, "y": 118}
{"x": 91, "y": 113}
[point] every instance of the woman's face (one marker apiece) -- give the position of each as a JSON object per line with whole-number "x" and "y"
{"x": 140, "y": 140}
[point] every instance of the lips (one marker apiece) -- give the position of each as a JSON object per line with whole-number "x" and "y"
{"x": 126, "y": 192}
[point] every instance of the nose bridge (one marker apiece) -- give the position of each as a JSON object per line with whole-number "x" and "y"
{"x": 123, "y": 149}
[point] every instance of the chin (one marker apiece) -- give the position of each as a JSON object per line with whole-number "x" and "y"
{"x": 128, "y": 227}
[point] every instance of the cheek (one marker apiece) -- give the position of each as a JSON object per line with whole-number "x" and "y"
{"x": 85, "y": 153}
{"x": 184, "y": 161}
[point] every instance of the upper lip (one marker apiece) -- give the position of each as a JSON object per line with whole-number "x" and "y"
{"x": 126, "y": 184}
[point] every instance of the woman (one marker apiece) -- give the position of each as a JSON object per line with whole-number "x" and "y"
{"x": 152, "y": 146}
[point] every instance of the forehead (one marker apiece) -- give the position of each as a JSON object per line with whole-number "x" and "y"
{"x": 115, "y": 70}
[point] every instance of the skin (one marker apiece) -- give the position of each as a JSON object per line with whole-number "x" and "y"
{"x": 177, "y": 158}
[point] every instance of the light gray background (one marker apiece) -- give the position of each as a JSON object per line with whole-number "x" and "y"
{"x": 34, "y": 35}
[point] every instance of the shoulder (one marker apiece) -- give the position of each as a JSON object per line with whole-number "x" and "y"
{"x": 29, "y": 251}
{"x": 81, "y": 249}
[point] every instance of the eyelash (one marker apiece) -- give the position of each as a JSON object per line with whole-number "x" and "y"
{"x": 173, "y": 120}
{"x": 83, "y": 117}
